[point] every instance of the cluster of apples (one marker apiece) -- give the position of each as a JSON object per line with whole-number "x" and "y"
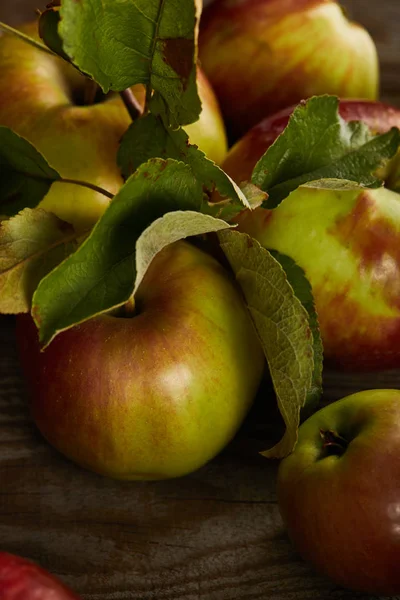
{"x": 127, "y": 408}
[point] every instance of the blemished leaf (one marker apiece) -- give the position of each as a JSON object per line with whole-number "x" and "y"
{"x": 282, "y": 324}
{"x": 25, "y": 175}
{"x": 303, "y": 291}
{"x": 31, "y": 244}
{"x": 120, "y": 43}
{"x": 149, "y": 138}
{"x": 319, "y": 144}
{"x": 101, "y": 274}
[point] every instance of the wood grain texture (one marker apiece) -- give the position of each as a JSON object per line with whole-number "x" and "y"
{"x": 214, "y": 535}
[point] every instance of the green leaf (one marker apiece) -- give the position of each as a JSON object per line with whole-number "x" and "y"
{"x": 149, "y": 138}
{"x": 120, "y": 43}
{"x": 25, "y": 176}
{"x": 319, "y": 144}
{"x": 283, "y": 327}
{"x": 101, "y": 275}
{"x": 31, "y": 245}
{"x": 170, "y": 228}
{"x": 303, "y": 291}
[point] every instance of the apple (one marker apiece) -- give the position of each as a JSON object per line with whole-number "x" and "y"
{"x": 42, "y": 98}
{"x": 263, "y": 55}
{"x": 21, "y": 579}
{"x": 157, "y": 394}
{"x": 243, "y": 156}
{"x": 346, "y": 243}
{"x": 338, "y": 492}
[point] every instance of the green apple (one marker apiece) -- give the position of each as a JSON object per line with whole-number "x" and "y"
{"x": 338, "y": 491}
{"x": 264, "y": 55}
{"x": 347, "y": 242}
{"x": 157, "y": 394}
{"x": 42, "y": 98}
{"x": 21, "y": 579}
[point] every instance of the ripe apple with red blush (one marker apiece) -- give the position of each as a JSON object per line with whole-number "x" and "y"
{"x": 347, "y": 243}
{"x": 264, "y": 55}
{"x": 338, "y": 491}
{"x": 21, "y": 579}
{"x": 154, "y": 394}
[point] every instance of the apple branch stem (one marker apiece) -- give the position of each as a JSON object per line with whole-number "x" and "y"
{"x": 88, "y": 185}
{"x": 25, "y": 38}
{"x": 131, "y": 104}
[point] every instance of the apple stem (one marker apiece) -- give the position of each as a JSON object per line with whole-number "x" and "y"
{"x": 25, "y": 38}
{"x": 88, "y": 185}
{"x": 131, "y": 103}
{"x": 333, "y": 443}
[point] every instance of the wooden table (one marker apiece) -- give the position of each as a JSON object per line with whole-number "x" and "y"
{"x": 214, "y": 535}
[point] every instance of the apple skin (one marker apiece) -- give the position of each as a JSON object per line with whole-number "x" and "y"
{"x": 348, "y": 244}
{"x": 21, "y": 579}
{"x": 158, "y": 394}
{"x": 342, "y": 512}
{"x": 81, "y": 142}
{"x": 264, "y": 55}
{"x": 244, "y": 155}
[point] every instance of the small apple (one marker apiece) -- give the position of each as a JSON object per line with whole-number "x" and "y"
{"x": 263, "y": 55}
{"x": 21, "y": 579}
{"x": 42, "y": 98}
{"x": 243, "y": 156}
{"x": 338, "y": 491}
{"x": 157, "y": 394}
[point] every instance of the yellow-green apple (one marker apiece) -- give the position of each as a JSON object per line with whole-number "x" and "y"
{"x": 264, "y": 55}
{"x": 338, "y": 491}
{"x": 21, "y": 579}
{"x": 157, "y": 394}
{"x": 243, "y": 156}
{"x": 42, "y": 98}
{"x": 348, "y": 244}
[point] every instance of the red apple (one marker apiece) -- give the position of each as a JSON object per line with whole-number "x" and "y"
{"x": 264, "y": 55}
{"x": 157, "y": 394}
{"x": 339, "y": 491}
{"x": 21, "y": 579}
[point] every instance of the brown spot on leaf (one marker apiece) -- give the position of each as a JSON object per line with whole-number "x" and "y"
{"x": 178, "y": 54}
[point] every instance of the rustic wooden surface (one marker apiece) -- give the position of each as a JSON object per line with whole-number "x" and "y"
{"x": 214, "y": 535}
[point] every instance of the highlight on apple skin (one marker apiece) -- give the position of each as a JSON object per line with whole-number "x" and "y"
{"x": 42, "y": 98}
{"x": 21, "y": 579}
{"x": 264, "y": 55}
{"x": 338, "y": 492}
{"x": 157, "y": 394}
